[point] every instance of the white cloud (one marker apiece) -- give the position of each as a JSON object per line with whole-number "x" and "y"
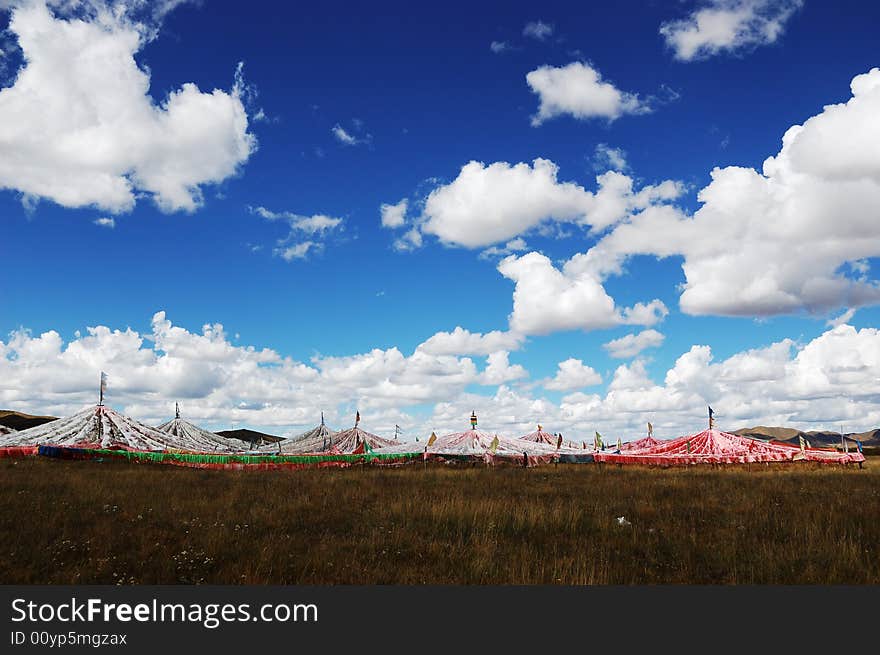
{"x": 499, "y": 370}
{"x": 78, "y": 126}
{"x": 512, "y": 246}
{"x": 394, "y": 216}
{"x": 348, "y": 138}
{"x": 793, "y": 237}
{"x": 411, "y": 240}
{"x": 343, "y": 136}
{"x": 608, "y": 158}
{"x": 579, "y": 90}
{"x": 632, "y": 344}
{"x": 843, "y": 319}
{"x": 489, "y": 204}
{"x": 573, "y": 374}
{"x": 728, "y": 26}
{"x": 500, "y": 47}
{"x": 297, "y": 251}
{"x": 316, "y": 227}
{"x": 830, "y": 380}
{"x": 547, "y": 299}
{"x": 465, "y": 342}
{"x": 538, "y": 30}
{"x": 105, "y": 221}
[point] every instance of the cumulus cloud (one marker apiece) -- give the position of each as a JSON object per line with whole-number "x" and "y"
{"x": 547, "y": 299}
{"x": 105, "y": 221}
{"x": 295, "y": 245}
{"x": 394, "y": 216}
{"x": 632, "y": 344}
{"x": 465, "y": 342}
{"x": 578, "y": 90}
{"x": 792, "y": 237}
{"x": 490, "y": 204}
{"x": 79, "y": 127}
{"x": 573, "y": 374}
{"x": 538, "y": 30}
{"x": 830, "y": 380}
{"x": 728, "y": 26}
{"x": 499, "y": 369}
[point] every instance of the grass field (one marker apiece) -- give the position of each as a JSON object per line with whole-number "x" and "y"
{"x": 87, "y": 522}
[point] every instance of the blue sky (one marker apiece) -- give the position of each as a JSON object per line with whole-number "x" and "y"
{"x": 421, "y": 92}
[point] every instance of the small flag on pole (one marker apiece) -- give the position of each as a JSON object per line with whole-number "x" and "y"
{"x": 619, "y": 444}
{"x": 357, "y": 418}
{"x": 711, "y": 420}
{"x": 859, "y": 445}
{"x": 103, "y": 387}
{"x": 598, "y": 442}
{"x": 432, "y": 439}
{"x": 650, "y": 430}
{"x": 559, "y": 442}
{"x": 474, "y": 420}
{"x": 494, "y": 446}
{"x": 803, "y": 443}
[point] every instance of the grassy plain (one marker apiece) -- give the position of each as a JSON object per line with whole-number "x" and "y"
{"x": 103, "y": 522}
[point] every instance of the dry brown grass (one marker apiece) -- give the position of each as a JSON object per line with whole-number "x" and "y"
{"x": 87, "y": 522}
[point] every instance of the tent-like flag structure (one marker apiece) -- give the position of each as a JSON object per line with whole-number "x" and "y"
{"x": 102, "y": 427}
{"x": 715, "y": 447}
{"x": 477, "y": 445}
{"x": 542, "y": 436}
{"x": 320, "y": 439}
{"x": 639, "y": 444}
{"x": 198, "y": 439}
{"x": 357, "y": 440}
{"x": 96, "y": 427}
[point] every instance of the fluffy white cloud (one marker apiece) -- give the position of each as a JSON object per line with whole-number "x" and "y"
{"x": 632, "y": 344}
{"x": 538, "y": 30}
{"x": 573, "y": 374}
{"x": 79, "y": 127}
{"x": 489, "y": 204}
{"x": 105, "y": 221}
{"x": 792, "y": 237}
{"x": 499, "y": 369}
{"x": 547, "y": 299}
{"x": 728, "y": 26}
{"x": 394, "y": 216}
{"x": 579, "y": 90}
{"x": 465, "y": 342}
{"x": 830, "y": 380}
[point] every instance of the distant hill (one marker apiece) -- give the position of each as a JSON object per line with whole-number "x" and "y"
{"x": 815, "y": 437}
{"x": 19, "y": 421}
{"x": 251, "y": 436}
